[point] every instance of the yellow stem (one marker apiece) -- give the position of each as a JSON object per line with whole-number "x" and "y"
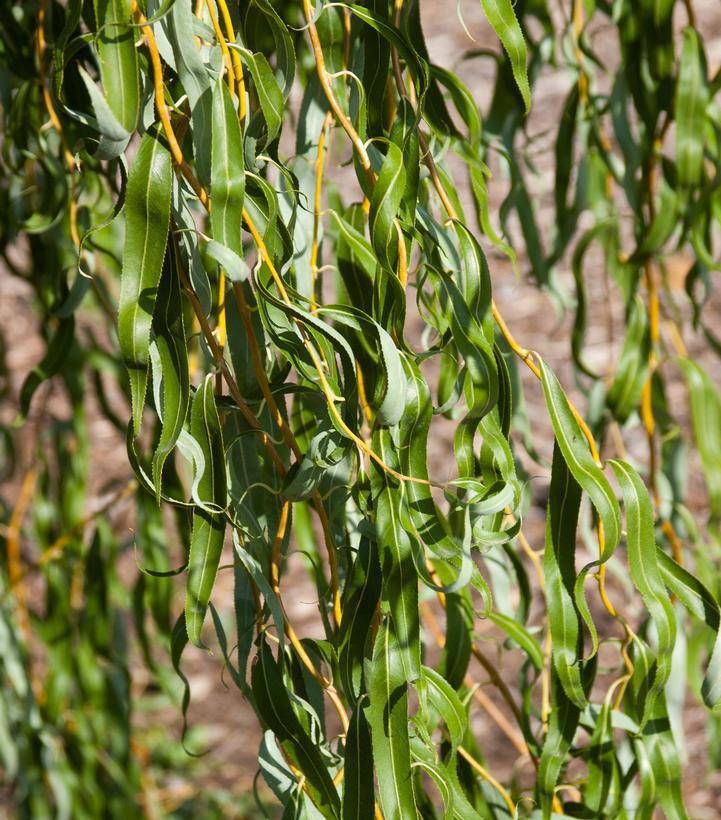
{"x": 577, "y": 32}
{"x": 325, "y": 83}
{"x": 223, "y": 48}
{"x": 535, "y": 560}
{"x": 237, "y": 64}
{"x": 162, "y": 109}
{"x": 316, "y": 207}
{"x": 222, "y": 330}
{"x": 305, "y": 659}
{"x": 367, "y": 412}
{"x": 486, "y": 775}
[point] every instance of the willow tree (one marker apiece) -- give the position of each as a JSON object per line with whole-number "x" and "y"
{"x": 282, "y": 210}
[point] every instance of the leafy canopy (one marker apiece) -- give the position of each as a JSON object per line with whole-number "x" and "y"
{"x": 283, "y": 209}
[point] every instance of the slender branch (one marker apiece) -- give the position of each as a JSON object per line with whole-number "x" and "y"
{"x": 291, "y": 441}
{"x": 486, "y": 775}
{"x": 316, "y": 207}
{"x": 325, "y": 82}
{"x": 318, "y": 676}
{"x": 237, "y": 64}
{"x": 484, "y": 701}
{"x": 215, "y": 349}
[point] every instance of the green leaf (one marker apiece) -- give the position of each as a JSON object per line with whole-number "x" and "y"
{"x": 603, "y": 790}
{"x": 574, "y": 447}
{"x": 564, "y": 499}
{"x": 699, "y": 601}
{"x": 400, "y": 579}
{"x": 520, "y": 635}
{"x": 227, "y": 172}
{"x": 692, "y": 97}
{"x": 706, "y": 415}
{"x": 113, "y": 137}
{"x": 475, "y": 348}
{"x": 147, "y": 220}
{"x": 385, "y": 202}
{"x": 208, "y": 535}
{"x": 502, "y": 17}
{"x": 360, "y": 596}
{"x": 646, "y": 575}
{"x": 233, "y": 264}
{"x": 392, "y": 405}
{"x": 446, "y": 702}
{"x": 195, "y": 79}
{"x": 358, "y": 802}
{"x": 266, "y": 87}
{"x": 274, "y": 706}
{"x": 118, "y": 60}
{"x": 285, "y": 51}
{"x": 624, "y": 394}
{"x": 657, "y": 756}
{"x": 562, "y": 725}
{"x": 173, "y": 355}
{"x": 387, "y": 713}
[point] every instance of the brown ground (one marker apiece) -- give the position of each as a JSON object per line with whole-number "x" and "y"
{"x": 229, "y": 724}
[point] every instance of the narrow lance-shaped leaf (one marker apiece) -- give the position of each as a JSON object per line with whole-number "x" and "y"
{"x": 706, "y": 415}
{"x": 227, "y": 174}
{"x": 385, "y": 202}
{"x": 358, "y": 797}
{"x": 646, "y": 575}
{"x": 276, "y": 710}
{"x": 113, "y": 137}
{"x": 173, "y": 356}
{"x": 195, "y": 79}
{"x": 206, "y": 540}
{"x": 503, "y": 18}
{"x": 400, "y": 580}
{"x": 656, "y": 751}
{"x": 692, "y": 97}
{"x": 388, "y": 718}
{"x": 446, "y": 702}
{"x": 118, "y": 60}
{"x": 476, "y": 350}
{"x": 631, "y": 373}
{"x": 270, "y": 95}
{"x": 414, "y": 428}
{"x": 562, "y": 726}
{"x": 699, "y": 601}
{"x": 603, "y": 790}
{"x": 574, "y": 447}
{"x": 360, "y": 596}
{"x": 520, "y": 635}
{"x": 147, "y": 220}
{"x": 559, "y": 569}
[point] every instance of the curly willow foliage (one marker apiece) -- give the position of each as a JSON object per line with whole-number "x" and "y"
{"x": 263, "y": 200}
